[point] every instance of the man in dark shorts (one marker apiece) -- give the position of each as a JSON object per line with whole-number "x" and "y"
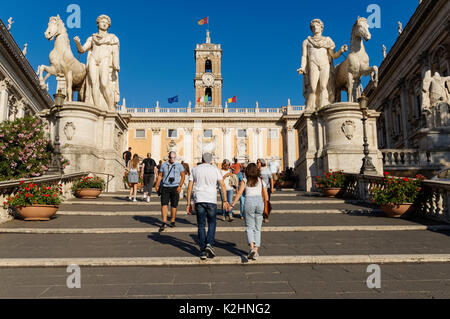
{"x": 170, "y": 180}
{"x": 148, "y": 172}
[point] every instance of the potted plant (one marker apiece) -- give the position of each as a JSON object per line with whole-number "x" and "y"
{"x": 396, "y": 196}
{"x": 35, "y": 202}
{"x": 88, "y": 187}
{"x": 332, "y": 183}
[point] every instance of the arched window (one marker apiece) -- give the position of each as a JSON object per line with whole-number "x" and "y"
{"x": 208, "y": 92}
{"x": 208, "y": 66}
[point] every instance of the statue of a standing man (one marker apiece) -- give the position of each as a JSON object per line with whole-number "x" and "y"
{"x": 102, "y": 65}
{"x": 317, "y": 62}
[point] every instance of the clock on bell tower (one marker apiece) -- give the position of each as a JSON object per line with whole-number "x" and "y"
{"x": 208, "y": 76}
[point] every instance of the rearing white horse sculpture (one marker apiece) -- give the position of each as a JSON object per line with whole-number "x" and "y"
{"x": 62, "y": 61}
{"x": 348, "y": 73}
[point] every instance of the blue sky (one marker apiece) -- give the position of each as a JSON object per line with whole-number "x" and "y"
{"x": 261, "y": 41}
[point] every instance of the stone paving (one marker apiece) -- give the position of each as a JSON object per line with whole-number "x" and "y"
{"x": 246, "y": 280}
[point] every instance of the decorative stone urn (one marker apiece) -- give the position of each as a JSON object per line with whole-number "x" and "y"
{"x": 88, "y": 193}
{"x": 397, "y": 211}
{"x": 37, "y": 212}
{"x": 331, "y": 192}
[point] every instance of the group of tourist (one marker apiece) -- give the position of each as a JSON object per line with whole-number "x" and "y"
{"x": 251, "y": 185}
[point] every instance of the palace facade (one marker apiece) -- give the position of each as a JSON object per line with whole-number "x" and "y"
{"x": 210, "y": 126}
{"x": 20, "y": 92}
{"x": 413, "y": 94}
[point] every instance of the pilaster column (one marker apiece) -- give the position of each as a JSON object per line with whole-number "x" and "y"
{"x": 156, "y": 143}
{"x": 387, "y": 123}
{"x": 188, "y": 146}
{"x": 291, "y": 150}
{"x": 4, "y": 107}
{"x": 255, "y": 134}
{"x": 404, "y": 102}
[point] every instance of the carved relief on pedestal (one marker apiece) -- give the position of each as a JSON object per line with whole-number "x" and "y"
{"x": 348, "y": 128}
{"x": 69, "y": 130}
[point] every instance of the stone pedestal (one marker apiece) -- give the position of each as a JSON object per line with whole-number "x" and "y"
{"x": 332, "y": 138}
{"x": 93, "y": 140}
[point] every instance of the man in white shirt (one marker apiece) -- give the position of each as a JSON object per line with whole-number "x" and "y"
{"x": 203, "y": 181}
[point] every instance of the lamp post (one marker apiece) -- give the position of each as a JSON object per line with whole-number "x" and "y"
{"x": 55, "y": 165}
{"x": 367, "y": 166}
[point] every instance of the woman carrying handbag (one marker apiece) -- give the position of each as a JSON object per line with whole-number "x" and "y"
{"x": 255, "y": 193}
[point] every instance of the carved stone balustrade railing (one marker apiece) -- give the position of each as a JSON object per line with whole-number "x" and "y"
{"x": 407, "y": 158}
{"x": 212, "y": 111}
{"x": 433, "y": 201}
{"x": 10, "y": 187}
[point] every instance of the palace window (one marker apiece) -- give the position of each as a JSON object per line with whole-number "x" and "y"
{"x": 208, "y": 66}
{"x": 208, "y": 133}
{"x": 242, "y": 133}
{"x": 140, "y": 134}
{"x": 172, "y": 134}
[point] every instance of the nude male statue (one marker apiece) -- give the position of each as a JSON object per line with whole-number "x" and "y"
{"x": 102, "y": 65}
{"x": 317, "y": 64}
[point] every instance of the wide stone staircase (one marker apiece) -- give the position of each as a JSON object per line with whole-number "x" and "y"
{"x": 312, "y": 247}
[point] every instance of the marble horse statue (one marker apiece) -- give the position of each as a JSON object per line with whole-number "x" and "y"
{"x": 348, "y": 74}
{"x": 62, "y": 61}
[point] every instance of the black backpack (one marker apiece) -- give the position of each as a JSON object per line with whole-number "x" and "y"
{"x": 149, "y": 167}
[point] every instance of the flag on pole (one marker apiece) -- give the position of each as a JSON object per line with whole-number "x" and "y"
{"x": 173, "y": 99}
{"x": 203, "y": 21}
{"x": 232, "y": 100}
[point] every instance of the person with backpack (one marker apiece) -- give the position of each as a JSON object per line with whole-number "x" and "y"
{"x": 148, "y": 172}
{"x": 133, "y": 176}
{"x": 255, "y": 196}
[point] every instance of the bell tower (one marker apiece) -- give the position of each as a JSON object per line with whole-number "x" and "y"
{"x": 208, "y": 75}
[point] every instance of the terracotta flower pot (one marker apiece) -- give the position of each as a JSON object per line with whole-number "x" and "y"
{"x": 397, "y": 211}
{"x": 89, "y": 193}
{"x": 37, "y": 212}
{"x": 331, "y": 192}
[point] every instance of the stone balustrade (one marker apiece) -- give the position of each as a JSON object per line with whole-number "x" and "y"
{"x": 10, "y": 187}
{"x": 211, "y": 111}
{"x": 433, "y": 202}
{"x": 408, "y": 158}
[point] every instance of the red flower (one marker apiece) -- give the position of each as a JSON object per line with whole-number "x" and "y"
{"x": 405, "y": 179}
{"x": 386, "y": 173}
{"x": 22, "y": 182}
{"x": 27, "y": 195}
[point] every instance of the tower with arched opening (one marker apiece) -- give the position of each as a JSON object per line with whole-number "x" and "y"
{"x": 208, "y": 76}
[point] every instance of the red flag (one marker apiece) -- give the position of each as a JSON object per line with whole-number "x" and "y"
{"x": 203, "y": 21}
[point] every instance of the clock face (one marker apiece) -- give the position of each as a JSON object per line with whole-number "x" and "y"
{"x": 208, "y": 79}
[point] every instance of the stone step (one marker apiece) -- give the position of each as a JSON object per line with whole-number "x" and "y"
{"x": 241, "y": 229}
{"x": 228, "y": 244}
{"x": 235, "y": 260}
{"x": 158, "y": 213}
{"x": 155, "y": 202}
{"x": 140, "y": 221}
